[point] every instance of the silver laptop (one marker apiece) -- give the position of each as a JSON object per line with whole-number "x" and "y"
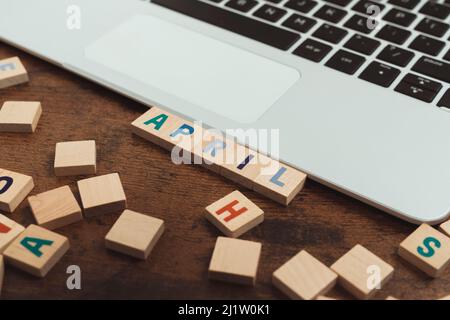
{"x": 359, "y": 90}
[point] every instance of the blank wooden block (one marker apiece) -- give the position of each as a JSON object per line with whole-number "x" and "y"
{"x": 445, "y": 228}
{"x": 20, "y": 116}
{"x": 14, "y": 188}
{"x": 102, "y": 194}
{"x": 36, "y": 250}
{"x": 12, "y": 72}
{"x": 9, "y": 230}
{"x": 445, "y": 298}
{"x": 358, "y": 270}
{"x": 235, "y": 261}
{"x": 304, "y": 277}
{"x": 55, "y": 208}
{"x": 2, "y": 272}
{"x": 234, "y": 214}
{"x": 427, "y": 249}
{"x": 75, "y": 158}
{"x": 134, "y": 234}
{"x": 324, "y": 298}
{"x": 391, "y": 298}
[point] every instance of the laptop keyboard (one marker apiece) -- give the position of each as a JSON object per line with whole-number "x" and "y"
{"x": 406, "y": 48}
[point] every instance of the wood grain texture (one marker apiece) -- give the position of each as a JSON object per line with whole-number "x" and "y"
{"x": 322, "y": 221}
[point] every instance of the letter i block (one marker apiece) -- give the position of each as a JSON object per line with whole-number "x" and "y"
{"x": 9, "y": 230}
{"x": 36, "y": 250}
{"x": 12, "y": 72}
{"x": 427, "y": 249}
{"x": 14, "y": 188}
{"x": 234, "y": 214}
{"x": 361, "y": 272}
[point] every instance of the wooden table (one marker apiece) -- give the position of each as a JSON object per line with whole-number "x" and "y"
{"x": 320, "y": 220}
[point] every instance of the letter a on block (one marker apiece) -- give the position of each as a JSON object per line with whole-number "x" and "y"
{"x": 158, "y": 121}
{"x": 38, "y": 244}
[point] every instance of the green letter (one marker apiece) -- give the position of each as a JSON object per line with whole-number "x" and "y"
{"x": 38, "y": 243}
{"x": 158, "y": 121}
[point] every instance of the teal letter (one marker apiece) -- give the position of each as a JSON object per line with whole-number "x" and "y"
{"x": 38, "y": 244}
{"x": 213, "y": 146}
{"x": 157, "y": 121}
{"x": 427, "y": 243}
{"x": 276, "y": 177}
{"x": 184, "y": 130}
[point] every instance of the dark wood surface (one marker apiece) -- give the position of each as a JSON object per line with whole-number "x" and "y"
{"x": 320, "y": 220}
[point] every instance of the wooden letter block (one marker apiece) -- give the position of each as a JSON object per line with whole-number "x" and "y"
{"x": 36, "y": 250}
{"x": 304, "y": 277}
{"x": 445, "y": 228}
{"x": 75, "y": 158}
{"x": 55, "y": 208}
{"x": 2, "y": 272}
{"x": 234, "y": 214}
{"x": 102, "y": 194}
{"x": 361, "y": 272}
{"x": 134, "y": 234}
{"x": 9, "y": 230}
{"x": 20, "y": 116}
{"x": 14, "y": 188}
{"x": 427, "y": 249}
{"x": 12, "y": 72}
{"x": 235, "y": 261}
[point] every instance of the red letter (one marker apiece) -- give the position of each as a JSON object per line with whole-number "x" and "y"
{"x": 231, "y": 210}
{"x": 4, "y": 229}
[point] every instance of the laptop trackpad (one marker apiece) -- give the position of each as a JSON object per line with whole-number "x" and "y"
{"x": 211, "y": 74}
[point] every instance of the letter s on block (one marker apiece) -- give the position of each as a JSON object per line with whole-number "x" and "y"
{"x": 429, "y": 252}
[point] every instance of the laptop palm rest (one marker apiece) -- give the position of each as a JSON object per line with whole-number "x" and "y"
{"x": 208, "y": 73}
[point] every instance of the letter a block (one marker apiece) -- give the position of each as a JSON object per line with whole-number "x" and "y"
{"x": 14, "y": 188}
{"x": 36, "y": 250}
{"x": 234, "y": 214}
{"x": 12, "y": 72}
{"x": 9, "y": 230}
{"x": 427, "y": 249}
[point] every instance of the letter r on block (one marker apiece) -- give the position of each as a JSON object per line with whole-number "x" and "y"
{"x": 233, "y": 212}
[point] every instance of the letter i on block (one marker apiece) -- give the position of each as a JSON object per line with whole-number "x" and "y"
{"x": 427, "y": 249}
{"x": 9, "y": 230}
{"x": 234, "y": 214}
{"x": 14, "y": 188}
{"x": 36, "y": 250}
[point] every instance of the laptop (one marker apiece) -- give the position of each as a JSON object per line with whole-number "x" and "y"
{"x": 358, "y": 90}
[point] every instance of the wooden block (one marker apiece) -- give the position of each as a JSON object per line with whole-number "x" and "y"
{"x": 12, "y": 72}
{"x": 75, "y": 158}
{"x": 134, "y": 234}
{"x": 36, "y": 250}
{"x": 9, "y": 230}
{"x": 14, "y": 188}
{"x": 20, "y": 116}
{"x": 445, "y": 228}
{"x": 2, "y": 272}
{"x": 55, "y": 208}
{"x": 304, "y": 277}
{"x": 427, "y": 249}
{"x": 235, "y": 261}
{"x": 102, "y": 194}
{"x": 361, "y": 272}
{"x": 445, "y": 298}
{"x": 234, "y": 214}
{"x": 324, "y": 298}
{"x": 391, "y": 298}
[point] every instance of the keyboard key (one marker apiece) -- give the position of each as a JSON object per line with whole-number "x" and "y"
{"x": 364, "y": 5}
{"x": 312, "y": 50}
{"x": 345, "y": 61}
{"x": 242, "y": 5}
{"x": 407, "y": 4}
{"x": 445, "y": 100}
{"x": 427, "y": 45}
{"x": 329, "y": 33}
{"x": 270, "y": 13}
{"x": 415, "y": 91}
{"x": 393, "y": 34}
{"x": 432, "y": 27}
{"x": 436, "y": 10}
{"x": 304, "y": 6}
{"x": 362, "y": 44}
{"x": 447, "y": 56}
{"x": 361, "y": 24}
{"x": 400, "y": 17}
{"x": 423, "y": 83}
{"x": 395, "y": 55}
{"x": 433, "y": 68}
{"x": 299, "y": 23}
{"x": 380, "y": 74}
{"x": 342, "y": 3}
{"x": 330, "y": 14}
{"x": 234, "y": 22}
